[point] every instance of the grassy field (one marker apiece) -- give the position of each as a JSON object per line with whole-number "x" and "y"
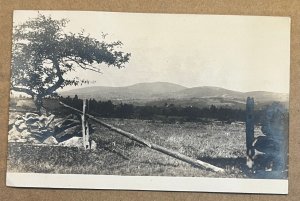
{"x": 218, "y": 143}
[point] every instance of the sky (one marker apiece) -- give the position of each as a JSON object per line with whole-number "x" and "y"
{"x": 243, "y": 53}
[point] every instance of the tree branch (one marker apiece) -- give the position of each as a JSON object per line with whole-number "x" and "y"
{"x": 60, "y": 81}
{"x": 84, "y": 65}
{"x": 24, "y": 90}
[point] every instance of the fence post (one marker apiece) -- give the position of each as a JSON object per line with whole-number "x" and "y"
{"x": 85, "y": 127}
{"x": 249, "y": 123}
{"x": 87, "y": 135}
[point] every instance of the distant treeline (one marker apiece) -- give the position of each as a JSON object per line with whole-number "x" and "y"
{"x": 168, "y": 112}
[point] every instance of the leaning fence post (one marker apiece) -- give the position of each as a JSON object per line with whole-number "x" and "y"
{"x": 249, "y": 123}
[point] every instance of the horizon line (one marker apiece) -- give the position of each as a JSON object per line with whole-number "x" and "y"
{"x": 79, "y": 87}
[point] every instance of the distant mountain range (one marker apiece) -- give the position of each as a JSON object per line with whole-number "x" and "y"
{"x": 137, "y": 91}
{"x": 156, "y": 93}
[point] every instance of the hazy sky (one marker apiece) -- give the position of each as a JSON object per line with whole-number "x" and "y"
{"x": 235, "y": 52}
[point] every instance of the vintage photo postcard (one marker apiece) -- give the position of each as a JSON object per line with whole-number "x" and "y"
{"x": 136, "y": 101}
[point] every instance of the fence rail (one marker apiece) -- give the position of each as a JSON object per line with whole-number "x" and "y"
{"x": 174, "y": 154}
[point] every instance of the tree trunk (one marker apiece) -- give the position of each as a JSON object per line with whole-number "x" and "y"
{"x": 38, "y": 101}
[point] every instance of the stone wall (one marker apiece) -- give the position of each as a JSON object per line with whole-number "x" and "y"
{"x": 48, "y": 130}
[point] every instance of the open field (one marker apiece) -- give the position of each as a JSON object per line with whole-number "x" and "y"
{"x": 218, "y": 143}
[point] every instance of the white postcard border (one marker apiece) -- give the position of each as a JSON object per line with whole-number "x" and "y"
{"x": 152, "y": 183}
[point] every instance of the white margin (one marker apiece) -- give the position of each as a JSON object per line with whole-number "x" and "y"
{"x": 153, "y": 183}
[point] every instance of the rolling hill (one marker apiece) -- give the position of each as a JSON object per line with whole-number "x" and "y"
{"x": 158, "y": 93}
{"x": 142, "y": 91}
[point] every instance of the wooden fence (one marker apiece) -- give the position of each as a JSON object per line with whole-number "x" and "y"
{"x": 174, "y": 154}
{"x": 250, "y": 138}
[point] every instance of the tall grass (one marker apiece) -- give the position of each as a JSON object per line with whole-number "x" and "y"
{"x": 215, "y": 142}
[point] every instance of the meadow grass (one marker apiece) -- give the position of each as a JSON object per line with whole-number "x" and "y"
{"x": 219, "y": 143}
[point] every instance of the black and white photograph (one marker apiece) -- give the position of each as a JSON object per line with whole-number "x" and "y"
{"x": 148, "y": 101}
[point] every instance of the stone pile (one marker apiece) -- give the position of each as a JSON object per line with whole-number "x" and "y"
{"x": 32, "y": 128}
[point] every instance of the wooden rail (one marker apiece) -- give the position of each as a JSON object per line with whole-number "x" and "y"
{"x": 151, "y": 145}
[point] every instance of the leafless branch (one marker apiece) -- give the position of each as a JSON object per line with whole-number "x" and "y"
{"x": 85, "y": 66}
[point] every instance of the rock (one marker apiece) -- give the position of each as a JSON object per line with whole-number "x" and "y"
{"x": 22, "y": 126}
{"x": 18, "y": 117}
{"x": 72, "y": 142}
{"x": 13, "y": 137}
{"x": 36, "y": 142}
{"x": 31, "y": 139}
{"x": 43, "y": 117}
{"x": 77, "y": 142}
{"x": 14, "y": 134}
{"x": 31, "y": 115}
{"x": 11, "y": 122}
{"x": 33, "y": 126}
{"x": 32, "y": 120}
{"x": 21, "y": 140}
{"x": 43, "y": 120}
{"x": 13, "y": 130}
{"x": 57, "y": 120}
{"x": 37, "y": 134}
{"x": 50, "y": 120}
{"x": 19, "y": 122}
{"x": 93, "y": 145}
{"x": 46, "y": 131}
{"x": 50, "y": 141}
{"x": 25, "y": 134}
